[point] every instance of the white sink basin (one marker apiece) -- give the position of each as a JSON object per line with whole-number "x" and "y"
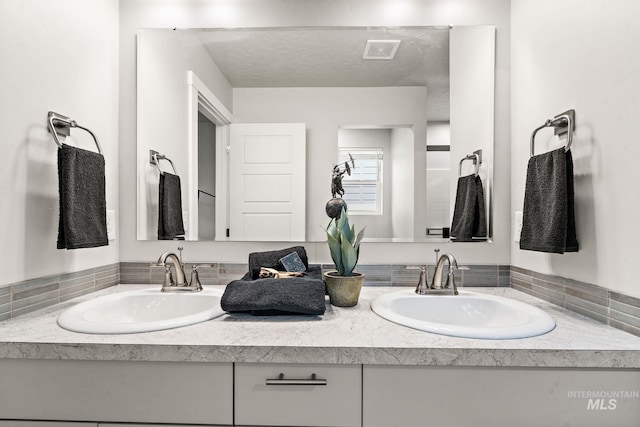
{"x": 141, "y": 311}
{"x": 467, "y": 315}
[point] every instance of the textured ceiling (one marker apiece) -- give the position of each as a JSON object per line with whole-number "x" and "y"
{"x": 332, "y": 57}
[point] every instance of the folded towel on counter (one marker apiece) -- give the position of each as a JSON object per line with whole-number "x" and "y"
{"x": 83, "y": 206}
{"x": 170, "y": 225}
{"x": 271, "y": 259}
{"x": 548, "y": 220}
{"x": 276, "y": 296}
{"x": 469, "y": 215}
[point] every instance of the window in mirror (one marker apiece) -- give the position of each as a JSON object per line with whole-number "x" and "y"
{"x": 363, "y": 188}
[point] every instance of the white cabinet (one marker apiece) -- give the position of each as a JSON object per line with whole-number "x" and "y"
{"x": 408, "y": 396}
{"x": 45, "y": 424}
{"x": 298, "y": 395}
{"x": 116, "y": 391}
{"x": 149, "y": 425}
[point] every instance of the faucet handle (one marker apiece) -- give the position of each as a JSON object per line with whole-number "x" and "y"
{"x": 168, "y": 278}
{"x": 195, "y": 277}
{"x": 422, "y": 286}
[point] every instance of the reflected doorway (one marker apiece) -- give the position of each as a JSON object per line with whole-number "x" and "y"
{"x": 206, "y": 178}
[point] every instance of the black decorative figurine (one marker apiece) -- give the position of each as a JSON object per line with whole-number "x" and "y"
{"x": 336, "y": 204}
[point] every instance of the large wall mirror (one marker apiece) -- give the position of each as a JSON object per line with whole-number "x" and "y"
{"x": 254, "y": 120}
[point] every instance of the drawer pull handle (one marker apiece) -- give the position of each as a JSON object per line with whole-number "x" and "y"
{"x": 314, "y": 380}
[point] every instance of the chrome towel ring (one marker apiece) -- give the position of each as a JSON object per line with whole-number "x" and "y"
{"x": 562, "y": 123}
{"x": 61, "y": 125}
{"x": 154, "y": 159}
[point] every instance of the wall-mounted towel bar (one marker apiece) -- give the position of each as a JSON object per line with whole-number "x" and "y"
{"x": 562, "y": 123}
{"x": 477, "y": 161}
{"x": 60, "y": 125}
{"x": 154, "y": 159}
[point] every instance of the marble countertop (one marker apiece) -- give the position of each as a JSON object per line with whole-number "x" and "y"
{"x": 342, "y": 336}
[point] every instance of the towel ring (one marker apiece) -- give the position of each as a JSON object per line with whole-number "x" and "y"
{"x": 561, "y": 120}
{"x": 476, "y": 161}
{"x": 154, "y": 159}
{"x": 59, "y": 124}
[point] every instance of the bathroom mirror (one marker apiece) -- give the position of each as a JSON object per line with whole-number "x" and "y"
{"x": 197, "y": 84}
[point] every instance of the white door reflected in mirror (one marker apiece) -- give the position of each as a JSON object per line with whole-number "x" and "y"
{"x": 267, "y": 182}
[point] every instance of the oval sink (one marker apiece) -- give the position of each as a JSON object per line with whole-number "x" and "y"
{"x": 141, "y": 311}
{"x": 467, "y": 315}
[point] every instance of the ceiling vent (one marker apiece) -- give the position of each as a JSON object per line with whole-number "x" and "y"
{"x": 381, "y": 49}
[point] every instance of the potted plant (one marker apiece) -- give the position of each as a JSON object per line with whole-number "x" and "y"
{"x": 343, "y": 284}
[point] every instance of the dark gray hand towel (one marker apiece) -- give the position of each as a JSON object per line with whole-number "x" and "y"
{"x": 81, "y": 184}
{"x": 469, "y": 216}
{"x": 170, "y": 225}
{"x": 292, "y": 295}
{"x": 271, "y": 259}
{"x": 548, "y": 222}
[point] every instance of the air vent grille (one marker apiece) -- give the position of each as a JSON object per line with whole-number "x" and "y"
{"x": 381, "y": 49}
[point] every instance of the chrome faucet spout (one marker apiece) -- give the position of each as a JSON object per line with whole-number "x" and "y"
{"x": 437, "y": 276}
{"x": 181, "y": 279}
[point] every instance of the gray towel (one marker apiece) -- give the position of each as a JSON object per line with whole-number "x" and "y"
{"x": 271, "y": 259}
{"x": 548, "y": 223}
{"x": 469, "y": 216}
{"x": 170, "y": 225}
{"x": 261, "y": 297}
{"x": 81, "y": 184}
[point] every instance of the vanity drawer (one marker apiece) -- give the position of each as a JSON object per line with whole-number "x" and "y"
{"x": 117, "y": 391}
{"x": 265, "y": 396}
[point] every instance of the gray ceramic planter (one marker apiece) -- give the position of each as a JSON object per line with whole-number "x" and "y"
{"x": 343, "y": 291}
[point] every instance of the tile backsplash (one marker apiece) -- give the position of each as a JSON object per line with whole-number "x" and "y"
{"x": 606, "y": 306}
{"x": 615, "y": 309}
{"x": 375, "y": 274}
{"x": 29, "y": 295}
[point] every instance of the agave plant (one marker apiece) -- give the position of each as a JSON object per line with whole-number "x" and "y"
{"x": 344, "y": 244}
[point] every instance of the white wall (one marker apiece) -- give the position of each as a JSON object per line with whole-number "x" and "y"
{"x": 438, "y": 176}
{"x": 58, "y": 55}
{"x": 404, "y": 209}
{"x": 163, "y": 59}
{"x": 136, "y": 14}
{"x": 583, "y": 55}
{"x": 324, "y": 110}
{"x": 472, "y": 118}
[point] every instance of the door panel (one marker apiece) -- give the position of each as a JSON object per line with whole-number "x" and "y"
{"x": 267, "y": 182}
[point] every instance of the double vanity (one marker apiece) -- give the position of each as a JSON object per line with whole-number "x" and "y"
{"x": 350, "y": 367}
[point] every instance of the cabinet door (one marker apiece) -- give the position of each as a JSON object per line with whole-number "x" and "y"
{"x": 114, "y": 391}
{"x": 403, "y": 396}
{"x": 288, "y": 395}
{"x": 151, "y": 425}
{"x": 45, "y": 424}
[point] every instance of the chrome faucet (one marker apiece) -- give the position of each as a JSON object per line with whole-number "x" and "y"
{"x": 436, "y": 284}
{"x": 168, "y": 283}
{"x": 451, "y": 280}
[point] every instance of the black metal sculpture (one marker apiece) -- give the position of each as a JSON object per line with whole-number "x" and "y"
{"x": 336, "y": 204}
